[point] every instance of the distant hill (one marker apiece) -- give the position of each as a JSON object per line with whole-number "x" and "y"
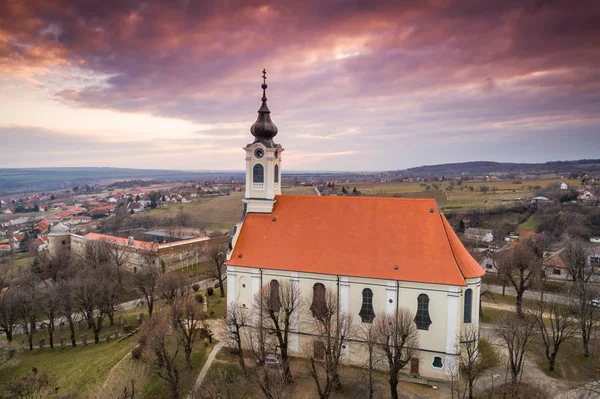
{"x": 40, "y": 179}
{"x": 487, "y": 168}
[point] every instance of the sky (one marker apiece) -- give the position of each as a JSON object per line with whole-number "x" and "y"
{"x": 353, "y": 85}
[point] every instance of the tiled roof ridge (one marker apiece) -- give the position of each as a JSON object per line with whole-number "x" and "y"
{"x": 361, "y": 197}
{"x": 450, "y": 245}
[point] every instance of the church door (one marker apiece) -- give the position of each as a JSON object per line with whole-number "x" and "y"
{"x": 414, "y": 366}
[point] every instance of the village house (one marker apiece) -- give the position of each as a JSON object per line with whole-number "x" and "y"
{"x": 479, "y": 235}
{"x": 378, "y": 255}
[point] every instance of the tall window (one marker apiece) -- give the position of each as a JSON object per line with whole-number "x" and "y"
{"x": 274, "y": 301}
{"x": 422, "y": 319}
{"x": 258, "y": 173}
{"x": 276, "y": 173}
{"x": 468, "y": 305}
{"x": 318, "y": 307}
{"x": 367, "y": 314}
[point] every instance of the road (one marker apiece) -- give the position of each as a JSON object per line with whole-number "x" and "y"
{"x": 557, "y": 298}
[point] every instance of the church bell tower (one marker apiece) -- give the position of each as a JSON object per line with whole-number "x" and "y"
{"x": 263, "y": 161}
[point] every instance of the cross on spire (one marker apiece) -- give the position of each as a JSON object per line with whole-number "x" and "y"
{"x": 264, "y": 76}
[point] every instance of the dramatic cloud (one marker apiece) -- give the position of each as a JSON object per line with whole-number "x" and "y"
{"x": 352, "y": 85}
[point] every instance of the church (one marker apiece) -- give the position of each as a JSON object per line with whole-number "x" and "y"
{"x": 377, "y": 254}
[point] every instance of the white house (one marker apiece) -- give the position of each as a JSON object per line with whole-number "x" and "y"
{"x": 378, "y": 255}
{"x": 564, "y": 186}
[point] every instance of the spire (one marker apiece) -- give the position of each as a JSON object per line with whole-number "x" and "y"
{"x": 264, "y": 129}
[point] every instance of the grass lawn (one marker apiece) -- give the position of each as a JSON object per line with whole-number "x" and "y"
{"x": 217, "y": 306}
{"x": 530, "y": 225}
{"x": 494, "y": 297}
{"x": 195, "y": 269}
{"x": 493, "y": 315}
{"x": 570, "y": 365}
{"x": 75, "y": 369}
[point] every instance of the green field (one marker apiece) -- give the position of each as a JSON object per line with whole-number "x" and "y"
{"x": 218, "y": 212}
{"x": 461, "y": 196}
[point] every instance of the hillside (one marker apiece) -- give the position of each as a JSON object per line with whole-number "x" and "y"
{"x": 486, "y": 167}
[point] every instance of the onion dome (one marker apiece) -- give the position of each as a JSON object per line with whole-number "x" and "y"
{"x": 264, "y": 129}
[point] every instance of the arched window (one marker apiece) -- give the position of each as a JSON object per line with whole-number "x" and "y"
{"x": 318, "y": 307}
{"x": 422, "y": 319}
{"x": 258, "y": 174}
{"x": 468, "y": 305}
{"x": 274, "y": 301}
{"x": 367, "y": 314}
{"x": 437, "y": 362}
{"x": 276, "y": 173}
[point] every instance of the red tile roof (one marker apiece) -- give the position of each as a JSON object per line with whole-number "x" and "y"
{"x": 121, "y": 241}
{"x": 356, "y": 236}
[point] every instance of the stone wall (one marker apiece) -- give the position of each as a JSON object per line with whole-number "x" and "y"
{"x": 186, "y": 253}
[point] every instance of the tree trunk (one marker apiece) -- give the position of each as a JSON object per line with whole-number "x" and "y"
{"x": 97, "y": 330}
{"x": 72, "y": 329}
{"x": 552, "y": 361}
{"x": 585, "y": 339}
{"x": 394, "y": 387}
{"x": 111, "y": 318}
{"x": 51, "y": 334}
{"x": 9, "y": 335}
{"x": 520, "y": 304}
{"x": 221, "y": 286}
{"x": 241, "y": 354}
{"x": 30, "y": 339}
{"x": 188, "y": 354}
{"x": 150, "y": 306}
{"x": 471, "y": 383}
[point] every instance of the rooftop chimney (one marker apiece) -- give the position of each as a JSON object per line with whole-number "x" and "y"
{"x": 130, "y": 241}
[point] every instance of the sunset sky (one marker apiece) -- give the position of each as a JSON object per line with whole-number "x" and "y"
{"x": 353, "y": 85}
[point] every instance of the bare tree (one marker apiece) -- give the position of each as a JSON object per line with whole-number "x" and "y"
{"x": 146, "y": 282}
{"x": 67, "y": 306}
{"x": 583, "y": 290}
{"x": 9, "y": 310}
{"x": 472, "y": 363}
{"x": 162, "y": 347}
{"x": 172, "y": 287}
{"x": 49, "y": 306}
{"x": 35, "y": 385}
{"x": 522, "y": 267}
{"x": 28, "y": 306}
{"x": 89, "y": 294}
{"x": 366, "y": 335}
{"x": 556, "y": 323}
{"x": 277, "y": 304}
{"x": 330, "y": 329}
{"x": 187, "y": 320}
{"x": 223, "y": 384}
{"x": 271, "y": 380}
{"x": 236, "y": 321}
{"x": 516, "y": 334}
{"x": 397, "y": 338}
{"x": 217, "y": 253}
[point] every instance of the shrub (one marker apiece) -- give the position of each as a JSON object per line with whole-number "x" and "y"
{"x": 136, "y": 352}
{"x": 199, "y": 298}
{"x": 210, "y": 291}
{"x": 195, "y": 287}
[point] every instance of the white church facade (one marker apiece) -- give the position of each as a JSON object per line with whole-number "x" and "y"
{"x": 377, "y": 254}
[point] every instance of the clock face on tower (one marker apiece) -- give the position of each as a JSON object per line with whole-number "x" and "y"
{"x": 259, "y": 153}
